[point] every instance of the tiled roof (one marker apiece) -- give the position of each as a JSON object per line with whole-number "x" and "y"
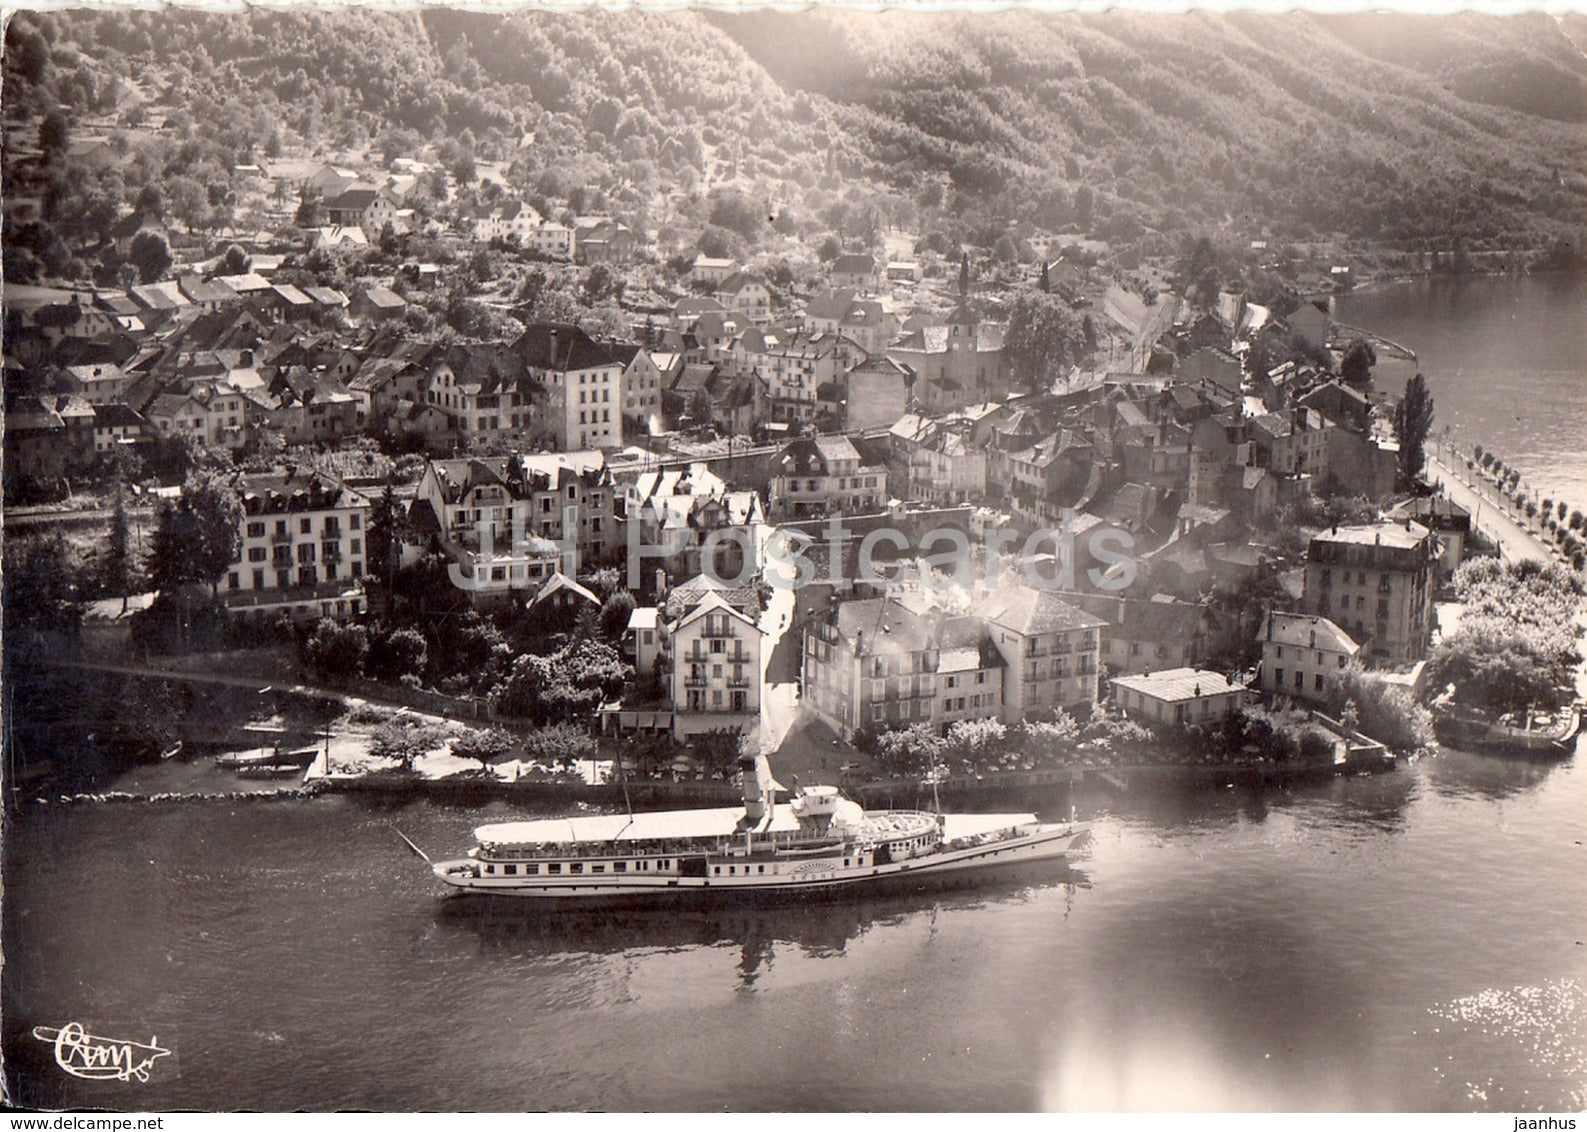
{"x": 1175, "y": 685}
{"x": 855, "y": 263}
{"x": 353, "y": 199}
{"x": 1307, "y": 631}
{"x": 831, "y": 305}
{"x": 883, "y": 624}
{"x": 116, "y": 415}
{"x": 690, "y": 593}
{"x": 1028, "y": 611}
{"x": 1399, "y": 536}
{"x": 560, "y": 346}
{"x": 294, "y": 489}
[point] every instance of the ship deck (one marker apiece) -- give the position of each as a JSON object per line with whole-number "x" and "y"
{"x": 719, "y": 824}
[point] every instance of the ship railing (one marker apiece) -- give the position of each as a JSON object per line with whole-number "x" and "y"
{"x": 584, "y": 849}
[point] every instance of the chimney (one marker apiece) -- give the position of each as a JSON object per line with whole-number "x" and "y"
{"x": 759, "y": 787}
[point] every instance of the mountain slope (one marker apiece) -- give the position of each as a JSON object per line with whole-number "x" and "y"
{"x": 1402, "y": 128}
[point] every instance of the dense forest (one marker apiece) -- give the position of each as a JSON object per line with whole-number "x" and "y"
{"x": 1413, "y": 131}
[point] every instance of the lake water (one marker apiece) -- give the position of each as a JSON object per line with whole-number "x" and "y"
{"x": 1407, "y": 941}
{"x": 1410, "y": 941}
{"x": 1506, "y": 360}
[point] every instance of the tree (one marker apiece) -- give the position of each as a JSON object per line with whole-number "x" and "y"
{"x": 457, "y": 158}
{"x": 234, "y": 261}
{"x": 1515, "y": 646}
{"x": 1413, "y": 420}
{"x": 909, "y": 751}
{"x": 561, "y": 745}
{"x": 700, "y": 406}
{"x": 569, "y": 684}
{"x": 394, "y": 655}
{"x": 309, "y": 208}
{"x": 1044, "y": 337}
{"x": 382, "y": 544}
{"x": 334, "y": 650}
{"x": 1387, "y": 713}
{"x": 55, "y": 134}
{"x": 118, "y": 565}
{"x": 406, "y": 740}
{"x": 601, "y": 284}
{"x": 150, "y": 202}
{"x": 41, "y": 593}
{"x": 720, "y": 243}
{"x": 486, "y": 747}
{"x": 615, "y": 612}
{"x": 197, "y": 538}
{"x": 151, "y": 255}
{"x": 1356, "y": 364}
{"x": 738, "y": 212}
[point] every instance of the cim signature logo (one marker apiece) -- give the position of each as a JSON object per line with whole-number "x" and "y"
{"x": 100, "y": 1059}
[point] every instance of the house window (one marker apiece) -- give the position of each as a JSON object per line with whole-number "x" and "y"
{"x": 256, "y": 530}
{"x": 305, "y": 525}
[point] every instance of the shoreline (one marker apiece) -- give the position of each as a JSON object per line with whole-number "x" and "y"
{"x": 1383, "y": 283}
{"x": 645, "y": 794}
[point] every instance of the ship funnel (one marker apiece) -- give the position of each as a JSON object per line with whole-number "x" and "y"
{"x": 759, "y": 786}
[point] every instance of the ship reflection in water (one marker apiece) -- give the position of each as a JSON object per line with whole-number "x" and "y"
{"x": 1489, "y": 777}
{"x": 514, "y": 929}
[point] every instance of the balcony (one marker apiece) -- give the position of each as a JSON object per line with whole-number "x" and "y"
{"x": 331, "y": 551}
{"x": 281, "y": 538}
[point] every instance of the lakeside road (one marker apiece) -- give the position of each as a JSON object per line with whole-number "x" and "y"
{"x": 1487, "y": 514}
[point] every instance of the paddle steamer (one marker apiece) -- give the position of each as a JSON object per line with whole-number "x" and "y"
{"x": 817, "y": 844}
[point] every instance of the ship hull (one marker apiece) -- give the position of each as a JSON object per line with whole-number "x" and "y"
{"x": 1019, "y": 857}
{"x": 1478, "y": 733}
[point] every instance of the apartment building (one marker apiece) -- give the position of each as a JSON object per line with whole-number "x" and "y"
{"x": 583, "y": 386}
{"x": 1375, "y": 581}
{"x": 302, "y": 550}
